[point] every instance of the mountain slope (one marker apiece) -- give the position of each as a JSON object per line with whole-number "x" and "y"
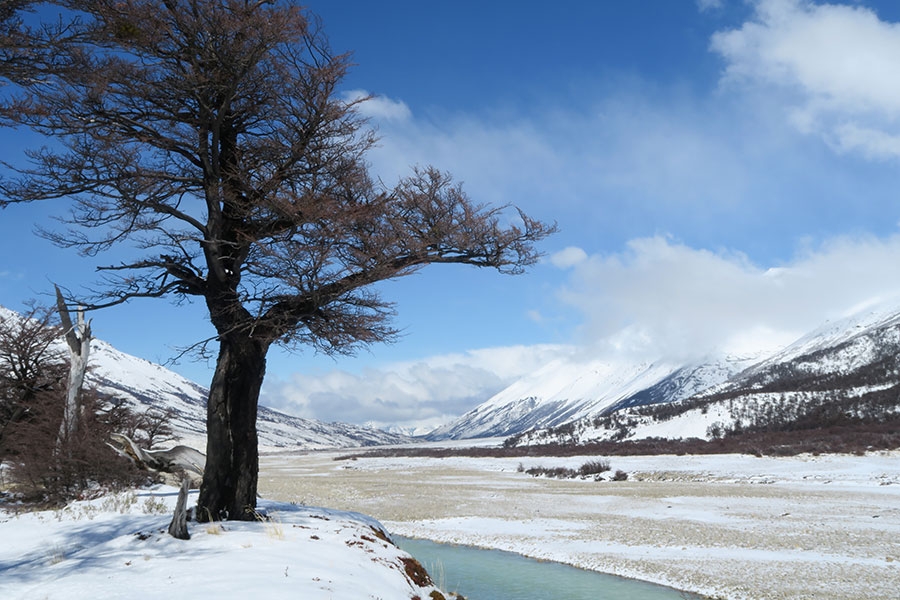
{"x": 147, "y": 385}
{"x": 565, "y": 392}
{"x": 848, "y": 367}
{"x": 560, "y": 392}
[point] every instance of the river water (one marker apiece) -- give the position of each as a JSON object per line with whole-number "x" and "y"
{"x": 479, "y": 574}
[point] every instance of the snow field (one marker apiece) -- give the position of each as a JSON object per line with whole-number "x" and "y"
{"x": 732, "y": 526}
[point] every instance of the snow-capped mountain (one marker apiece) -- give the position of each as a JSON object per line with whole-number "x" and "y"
{"x": 565, "y": 391}
{"x": 840, "y": 362}
{"x": 559, "y": 392}
{"x": 151, "y": 386}
{"x": 850, "y": 347}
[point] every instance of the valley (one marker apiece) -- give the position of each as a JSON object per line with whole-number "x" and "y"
{"x": 732, "y": 526}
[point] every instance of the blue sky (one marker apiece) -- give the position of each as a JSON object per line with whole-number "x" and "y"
{"x": 724, "y": 176}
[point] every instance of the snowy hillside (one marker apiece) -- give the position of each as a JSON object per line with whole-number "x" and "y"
{"x": 151, "y": 386}
{"x": 116, "y": 547}
{"x": 566, "y": 391}
{"x": 154, "y": 386}
{"x": 561, "y": 391}
{"x": 849, "y": 366}
{"x": 838, "y": 349}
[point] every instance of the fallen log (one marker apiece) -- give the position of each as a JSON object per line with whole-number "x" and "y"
{"x": 182, "y": 461}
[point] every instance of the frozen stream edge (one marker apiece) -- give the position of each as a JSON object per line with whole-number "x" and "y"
{"x": 728, "y": 526}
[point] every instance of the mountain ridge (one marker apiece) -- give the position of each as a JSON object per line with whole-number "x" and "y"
{"x": 855, "y": 356}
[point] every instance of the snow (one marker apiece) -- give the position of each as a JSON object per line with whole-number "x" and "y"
{"x": 152, "y": 385}
{"x": 729, "y": 526}
{"x": 116, "y": 546}
{"x": 565, "y": 391}
{"x": 561, "y": 391}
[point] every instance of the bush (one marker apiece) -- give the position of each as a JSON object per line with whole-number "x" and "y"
{"x": 42, "y": 467}
{"x": 49, "y": 471}
{"x": 555, "y": 472}
{"x": 620, "y": 475}
{"x": 594, "y": 467}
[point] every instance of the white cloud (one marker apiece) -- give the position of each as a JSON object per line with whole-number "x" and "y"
{"x": 659, "y": 297}
{"x": 380, "y": 108}
{"x": 535, "y": 316}
{"x": 873, "y": 143}
{"x": 568, "y": 257}
{"x": 656, "y": 299}
{"x": 707, "y": 5}
{"x": 834, "y": 65}
{"x": 410, "y": 394}
{"x": 617, "y": 151}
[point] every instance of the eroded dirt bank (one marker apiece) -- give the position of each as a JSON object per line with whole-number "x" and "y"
{"x": 733, "y": 527}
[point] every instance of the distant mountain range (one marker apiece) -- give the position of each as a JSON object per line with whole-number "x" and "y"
{"x": 150, "y": 386}
{"x": 850, "y": 365}
{"x": 849, "y": 368}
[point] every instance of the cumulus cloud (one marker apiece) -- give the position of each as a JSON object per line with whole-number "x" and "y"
{"x": 419, "y": 394}
{"x": 659, "y": 297}
{"x": 834, "y": 65}
{"x": 656, "y": 299}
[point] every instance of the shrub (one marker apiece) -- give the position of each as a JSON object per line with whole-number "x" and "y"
{"x": 620, "y": 475}
{"x": 416, "y": 572}
{"x": 46, "y": 470}
{"x": 594, "y": 467}
{"x": 555, "y": 472}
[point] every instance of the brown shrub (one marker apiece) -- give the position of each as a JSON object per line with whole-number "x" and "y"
{"x": 416, "y": 572}
{"x": 47, "y": 470}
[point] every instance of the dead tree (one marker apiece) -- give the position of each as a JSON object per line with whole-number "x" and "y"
{"x": 183, "y": 462}
{"x": 78, "y": 340}
{"x": 178, "y": 526}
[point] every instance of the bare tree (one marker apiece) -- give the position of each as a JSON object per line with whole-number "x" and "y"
{"x": 78, "y": 340}
{"x": 210, "y": 136}
{"x": 30, "y": 364}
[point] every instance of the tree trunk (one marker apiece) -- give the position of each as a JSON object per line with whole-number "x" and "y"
{"x": 178, "y": 527}
{"x": 229, "y": 483}
{"x": 77, "y": 368}
{"x": 78, "y": 339}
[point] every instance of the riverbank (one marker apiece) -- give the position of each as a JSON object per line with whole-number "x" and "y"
{"x": 729, "y": 526}
{"x": 117, "y": 546}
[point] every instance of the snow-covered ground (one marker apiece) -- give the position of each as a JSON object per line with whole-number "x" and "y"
{"x": 730, "y": 526}
{"x": 117, "y": 547}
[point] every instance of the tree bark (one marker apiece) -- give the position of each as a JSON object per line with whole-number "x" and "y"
{"x": 229, "y": 483}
